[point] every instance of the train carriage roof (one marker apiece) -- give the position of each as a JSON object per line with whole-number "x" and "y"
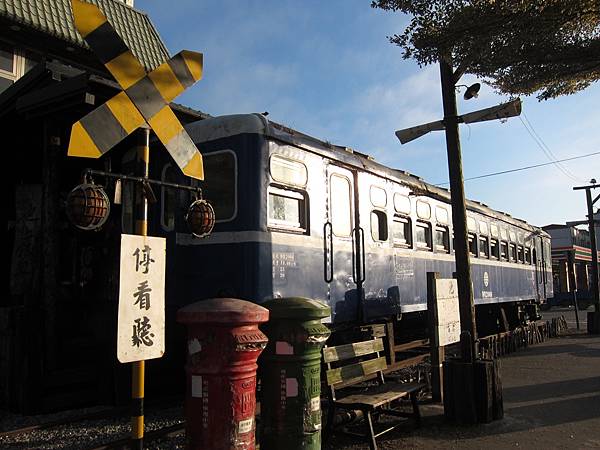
{"x": 230, "y": 125}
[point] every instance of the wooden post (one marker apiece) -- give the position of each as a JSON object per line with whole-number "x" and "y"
{"x": 457, "y": 198}
{"x": 436, "y": 351}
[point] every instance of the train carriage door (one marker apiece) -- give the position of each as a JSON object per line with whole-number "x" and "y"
{"x": 536, "y": 254}
{"x": 340, "y": 264}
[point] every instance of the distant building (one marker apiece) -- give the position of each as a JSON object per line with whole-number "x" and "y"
{"x": 572, "y": 259}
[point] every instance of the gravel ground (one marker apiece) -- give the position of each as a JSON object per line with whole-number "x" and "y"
{"x": 87, "y": 433}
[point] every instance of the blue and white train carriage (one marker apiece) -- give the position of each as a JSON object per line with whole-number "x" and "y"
{"x": 297, "y": 216}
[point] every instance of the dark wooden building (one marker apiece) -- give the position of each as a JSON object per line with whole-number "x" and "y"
{"x": 58, "y": 315}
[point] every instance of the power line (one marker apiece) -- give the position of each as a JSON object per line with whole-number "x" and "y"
{"x": 523, "y": 168}
{"x": 542, "y": 145}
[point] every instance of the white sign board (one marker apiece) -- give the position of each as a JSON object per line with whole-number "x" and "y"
{"x": 141, "y": 328}
{"x": 448, "y": 314}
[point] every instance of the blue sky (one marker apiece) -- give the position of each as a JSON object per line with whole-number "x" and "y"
{"x": 327, "y": 69}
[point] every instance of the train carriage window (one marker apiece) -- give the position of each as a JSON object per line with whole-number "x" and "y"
{"x": 483, "y": 228}
{"x": 494, "y": 230}
{"x": 287, "y": 209}
{"x": 504, "y": 250}
{"x": 423, "y": 210}
{"x": 503, "y": 234}
{"x": 441, "y": 239}
{"x": 513, "y": 252}
{"x": 495, "y": 248}
{"x": 472, "y": 238}
{"x": 288, "y": 171}
{"x": 401, "y": 203}
{"x": 484, "y": 251}
{"x": 379, "y": 227}
{"x": 378, "y": 197}
{"x": 527, "y": 255}
{"x": 220, "y": 183}
{"x": 423, "y": 236}
{"x": 401, "y": 232}
{"x": 471, "y": 224}
{"x": 520, "y": 254}
{"x": 341, "y": 211}
{"x": 513, "y": 236}
{"x": 441, "y": 215}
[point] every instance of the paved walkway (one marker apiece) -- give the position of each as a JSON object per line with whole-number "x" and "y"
{"x": 551, "y": 400}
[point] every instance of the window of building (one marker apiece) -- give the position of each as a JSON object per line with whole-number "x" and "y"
{"x": 220, "y": 183}
{"x": 484, "y": 251}
{"x": 341, "y": 210}
{"x": 288, "y": 171}
{"x": 401, "y": 203}
{"x": 379, "y": 226}
{"x": 520, "y": 254}
{"x": 441, "y": 239}
{"x": 7, "y": 67}
{"x": 494, "y": 248}
{"x": 287, "y": 209}
{"x": 472, "y": 242}
{"x": 423, "y": 236}
{"x": 378, "y": 197}
{"x": 401, "y": 232}
{"x": 13, "y": 65}
{"x": 504, "y": 250}
{"x": 423, "y": 210}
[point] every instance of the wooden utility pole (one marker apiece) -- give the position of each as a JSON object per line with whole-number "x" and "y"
{"x": 594, "y": 326}
{"x": 459, "y": 214}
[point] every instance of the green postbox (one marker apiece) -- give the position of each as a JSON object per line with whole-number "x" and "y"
{"x": 290, "y": 370}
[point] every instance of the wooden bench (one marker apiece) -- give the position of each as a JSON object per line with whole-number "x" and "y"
{"x": 358, "y": 368}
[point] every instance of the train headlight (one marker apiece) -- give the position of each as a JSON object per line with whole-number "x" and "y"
{"x": 200, "y": 218}
{"x": 88, "y": 207}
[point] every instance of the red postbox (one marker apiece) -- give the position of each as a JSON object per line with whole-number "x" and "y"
{"x": 223, "y": 345}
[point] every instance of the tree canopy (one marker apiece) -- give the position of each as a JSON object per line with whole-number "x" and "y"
{"x": 548, "y": 47}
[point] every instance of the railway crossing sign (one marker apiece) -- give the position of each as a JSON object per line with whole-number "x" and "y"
{"x": 144, "y": 99}
{"x": 141, "y": 324}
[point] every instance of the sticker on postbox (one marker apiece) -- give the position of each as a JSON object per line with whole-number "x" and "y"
{"x": 197, "y": 386}
{"x": 315, "y": 404}
{"x": 291, "y": 387}
{"x": 245, "y": 426}
{"x": 194, "y": 346}
{"x": 283, "y": 348}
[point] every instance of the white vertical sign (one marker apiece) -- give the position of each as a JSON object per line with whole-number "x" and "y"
{"x": 141, "y": 327}
{"x": 448, "y": 313}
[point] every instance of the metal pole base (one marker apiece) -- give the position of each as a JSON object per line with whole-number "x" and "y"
{"x": 593, "y": 322}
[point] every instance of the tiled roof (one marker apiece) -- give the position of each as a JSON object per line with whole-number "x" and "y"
{"x": 55, "y": 17}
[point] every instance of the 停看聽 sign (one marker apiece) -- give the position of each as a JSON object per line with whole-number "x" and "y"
{"x": 141, "y": 323}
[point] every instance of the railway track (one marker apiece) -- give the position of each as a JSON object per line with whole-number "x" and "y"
{"x": 148, "y": 436}
{"x": 107, "y": 428}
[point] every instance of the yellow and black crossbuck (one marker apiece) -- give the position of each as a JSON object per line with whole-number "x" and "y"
{"x": 145, "y": 97}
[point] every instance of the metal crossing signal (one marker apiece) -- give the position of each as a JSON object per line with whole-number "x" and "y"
{"x": 145, "y": 97}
